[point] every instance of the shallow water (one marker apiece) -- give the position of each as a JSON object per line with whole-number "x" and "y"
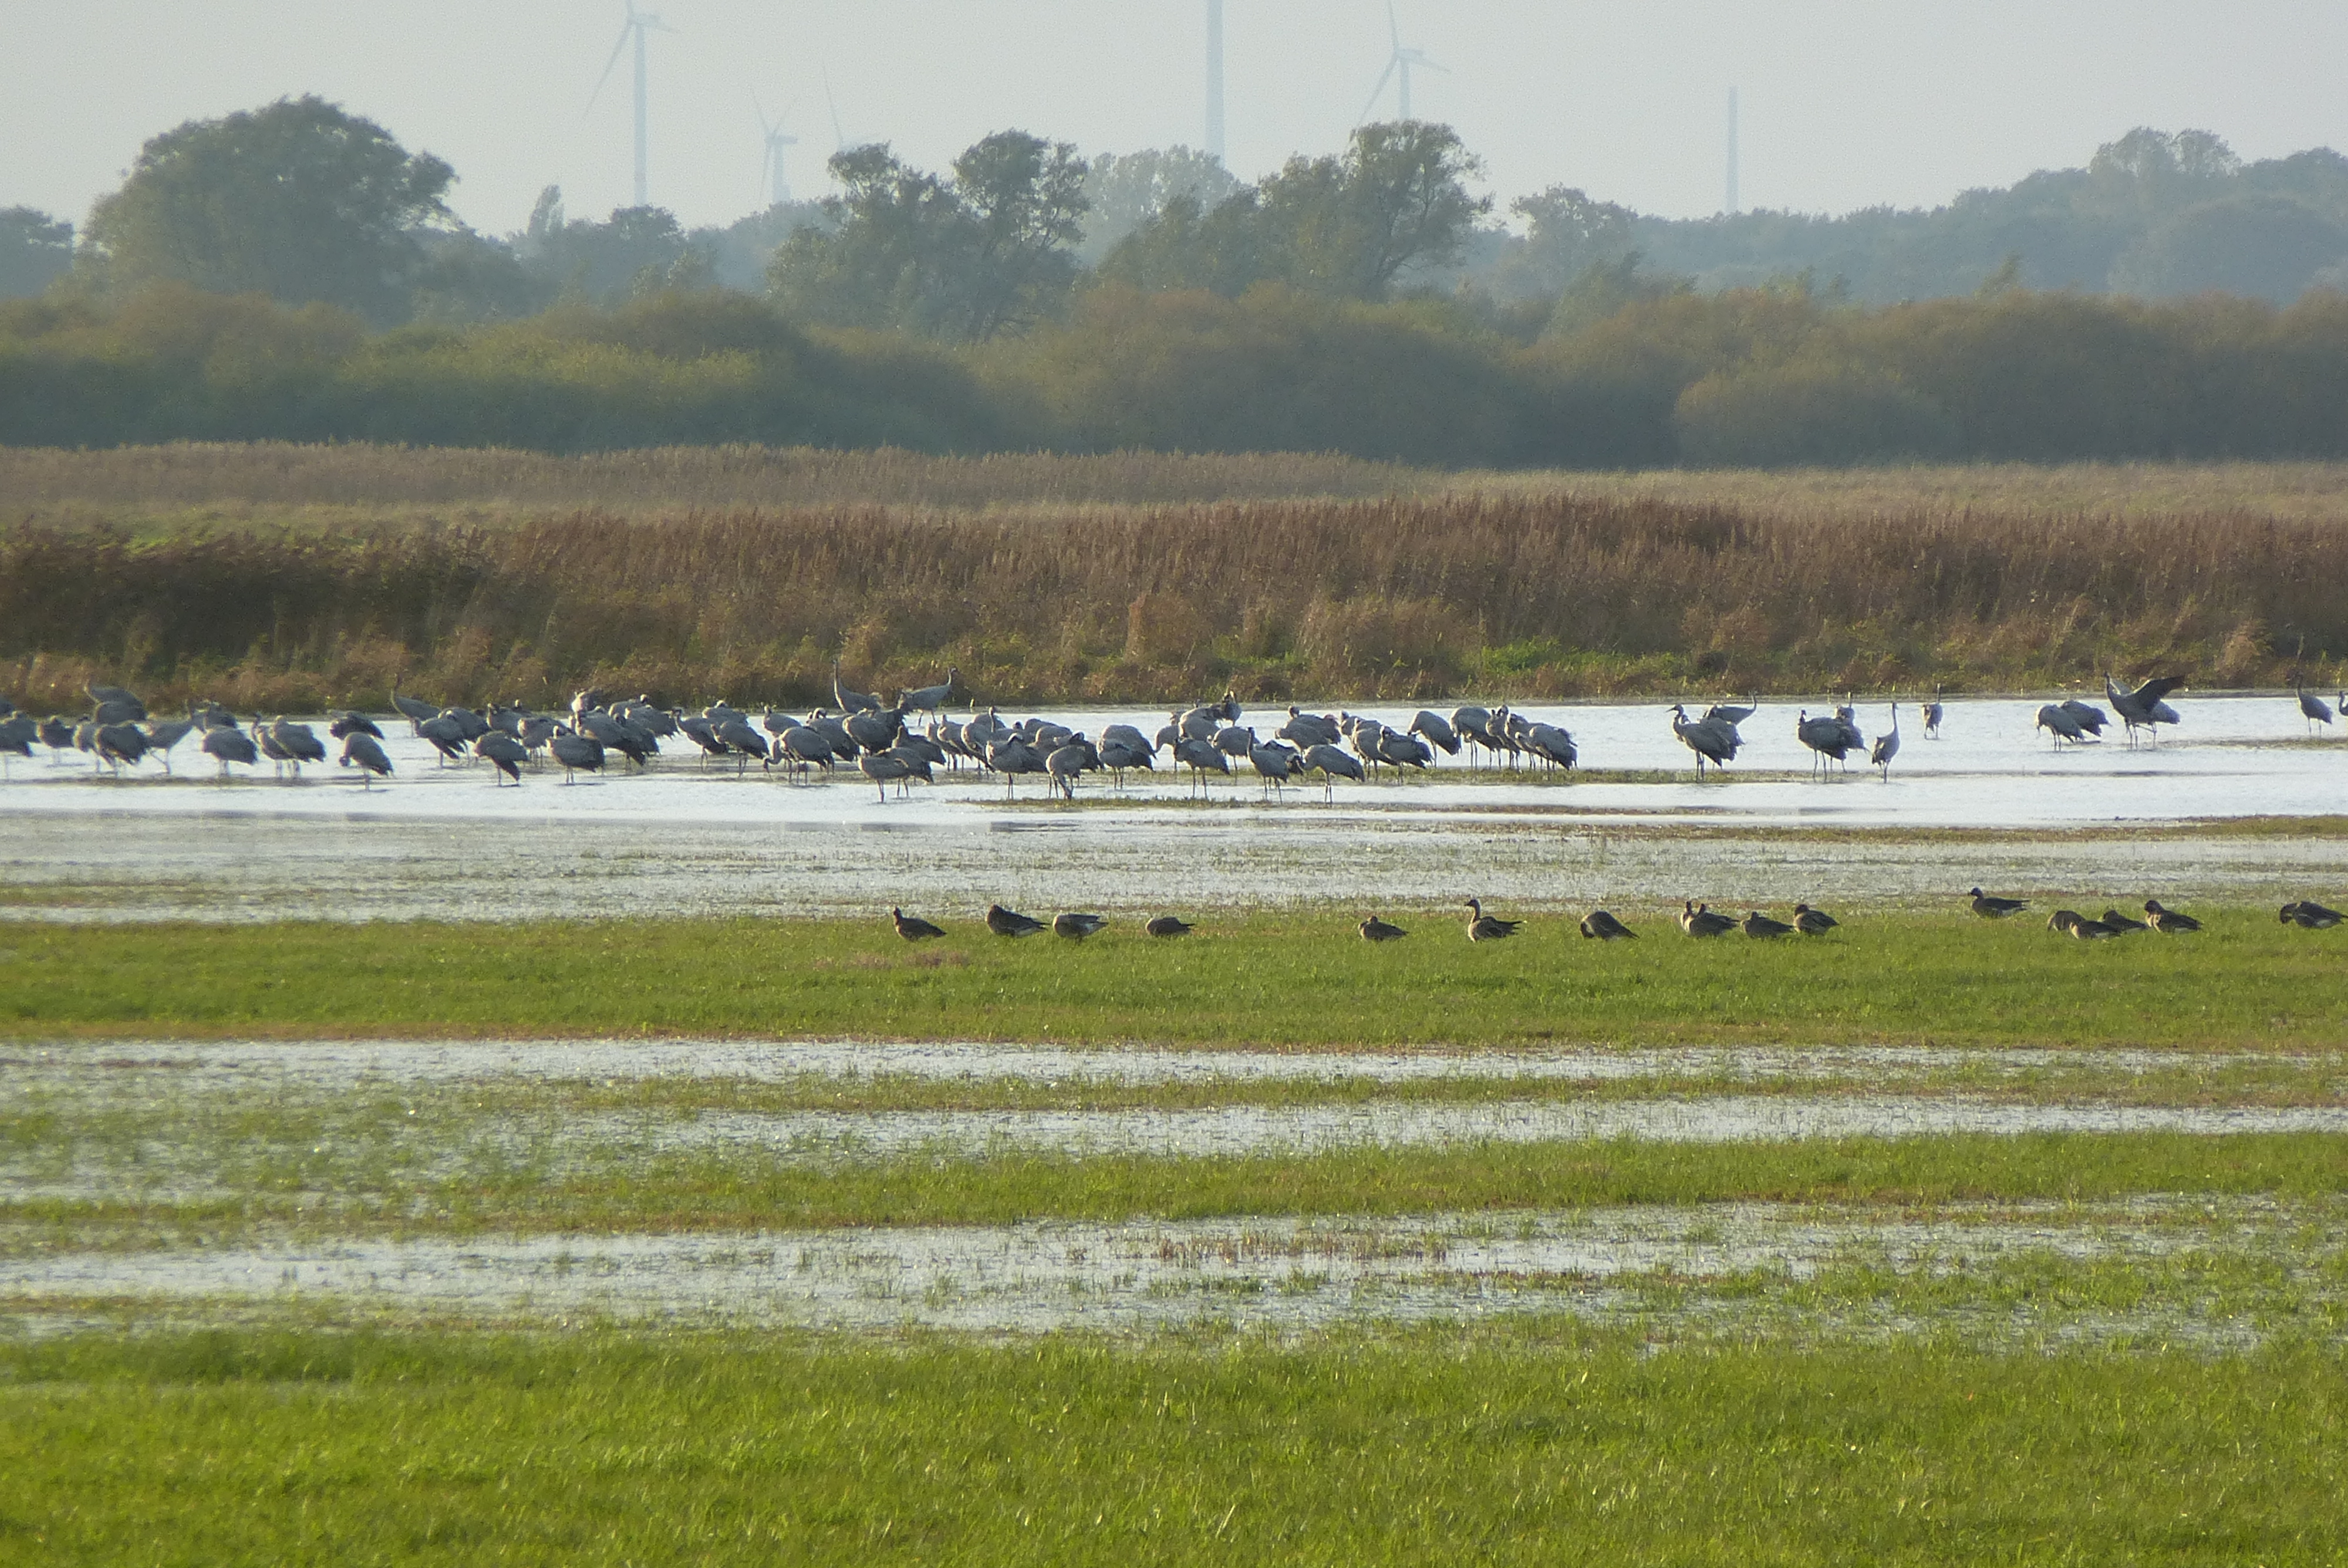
{"x": 132, "y": 1072}
{"x": 1150, "y": 1274}
{"x": 442, "y": 843}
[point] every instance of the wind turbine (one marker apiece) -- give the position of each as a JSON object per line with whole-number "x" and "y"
{"x": 1215, "y": 80}
{"x": 778, "y": 189}
{"x": 1398, "y": 69}
{"x": 638, "y": 23}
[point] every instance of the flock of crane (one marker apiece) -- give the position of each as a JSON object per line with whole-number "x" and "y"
{"x": 885, "y": 743}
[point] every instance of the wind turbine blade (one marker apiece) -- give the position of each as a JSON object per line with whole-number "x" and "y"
{"x": 1424, "y": 63}
{"x": 1376, "y": 92}
{"x": 761, "y": 111}
{"x": 616, "y": 50}
{"x": 839, "y": 136}
{"x": 1393, "y": 28}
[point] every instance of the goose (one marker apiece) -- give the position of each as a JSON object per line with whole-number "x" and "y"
{"x": 912, "y": 927}
{"x": 2168, "y": 922}
{"x": 1760, "y": 927}
{"x": 1602, "y": 926}
{"x": 1990, "y": 906}
{"x": 1010, "y": 922}
{"x": 365, "y": 753}
{"x": 2308, "y": 915}
{"x": 1812, "y": 922}
{"x": 1698, "y": 920}
{"x": 1483, "y": 927}
{"x": 1076, "y": 928}
{"x": 1377, "y": 930}
{"x": 2121, "y": 923}
{"x": 1170, "y": 925}
{"x": 2071, "y": 923}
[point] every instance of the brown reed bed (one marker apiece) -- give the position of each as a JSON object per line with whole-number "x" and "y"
{"x": 1520, "y": 595}
{"x": 275, "y": 475}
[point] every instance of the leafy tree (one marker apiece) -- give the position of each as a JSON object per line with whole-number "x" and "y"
{"x": 1353, "y": 226}
{"x": 966, "y": 258}
{"x": 1127, "y": 191}
{"x": 2267, "y": 247}
{"x": 637, "y": 249}
{"x": 298, "y": 200}
{"x": 1568, "y": 235}
{"x": 35, "y": 250}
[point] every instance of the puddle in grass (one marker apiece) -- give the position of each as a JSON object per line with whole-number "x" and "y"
{"x": 1153, "y": 1274}
{"x": 133, "y": 1073}
{"x": 685, "y": 840}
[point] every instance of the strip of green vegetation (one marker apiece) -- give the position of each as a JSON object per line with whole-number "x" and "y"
{"x": 545, "y": 1184}
{"x": 1528, "y": 1443}
{"x": 1274, "y": 978}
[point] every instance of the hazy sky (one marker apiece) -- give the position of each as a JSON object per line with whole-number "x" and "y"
{"x": 1844, "y": 104}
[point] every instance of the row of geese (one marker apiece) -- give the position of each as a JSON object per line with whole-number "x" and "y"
{"x": 1600, "y": 925}
{"x": 879, "y": 740}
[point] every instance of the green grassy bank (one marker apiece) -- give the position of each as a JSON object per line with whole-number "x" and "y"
{"x": 1297, "y": 979}
{"x": 1527, "y": 1444}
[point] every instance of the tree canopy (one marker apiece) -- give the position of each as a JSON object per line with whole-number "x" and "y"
{"x": 298, "y": 200}
{"x": 963, "y": 257}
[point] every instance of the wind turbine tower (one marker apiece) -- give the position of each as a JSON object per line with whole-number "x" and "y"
{"x": 1215, "y": 80}
{"x": 773, "y": 182}
{"x": 633, "y": 29}
{"x": 1399, "y": 69}
{"x": 1732, "y": 152}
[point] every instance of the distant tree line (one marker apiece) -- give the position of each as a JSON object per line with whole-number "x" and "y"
{"x": 294, "y": 273}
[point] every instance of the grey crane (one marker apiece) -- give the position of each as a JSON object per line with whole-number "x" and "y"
{"x": 577, "y": 753}
{"x": 1118, "y": 753}
{"x": 1699, "y": 921}
{"x": 1886, "y": 747}
{"x": 57, "y": 735}
{"x": 2144, "y": 709}
{"x": 1377, "y": 930}
{"x": 1005, "y": 922}
{"x": 698, "y": 728}
{"x": 447, "y": 738}
{"x": 1990, "y": 906}
{"x": 1812, "y": 922}
{"x": 1076, "y": 927}
{"x": 1761, "y": 927}
{"x": 875, "y": 730}
{"x": 505, "y": 754}
{"x": 1474, "y": 727}
{"x": 1169, "y": 926}
{"x": 18, "y": 733}
{"x": 299, "y": 742}
{"x": 929, "y": 699}
{"x": 1712, "y": 740}
{"x": 885, "y": 768}
{"x": 1364, "y": 736}
{"x": 2314, "y": 709}
{"x": 1600, "y": 925}
{"x": 230, "y": 744}
{"x": 1273, "y": 763}
{"x": 2062, "y": 723}
{"x": 1064, "y": 762}
{"x": 117, "y": 712}
{"x": 638, "y": 744}
{"x": 162, "y": 735}
{"x": 1012, "y": 756}
{"x": 119, "y": 746}
{"x": 2308, "y": 915}
{"x": 1234, "y": 741}
{"x": 1200, "y": 757}
{"x": 742, "y": 741}
{"x": 1483, "y": 927}
{"x": 2168, "y": 922}
{"x": 1332, "y": 764}
{"x": 1304, "y": 730}
{"x": 913, "y": 928}
{"x": 341, "y": 724}
{"x": 1732, "y": 716}
{"x": 1827, "y": 736}
{"x": 104, "y": 697}
{"x": 365, "y": 753}
{"x": 805, "y": 747}
{"x": 414, "y": 711}
{"x": 852, "y": 702}
{"x": 1934, "y": 711}
{"x": 2090, "y": 717}
{"x": 1436, "y": 730}
{"x": 1552, "y": 745}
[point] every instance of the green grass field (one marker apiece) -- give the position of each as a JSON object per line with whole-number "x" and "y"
{"x": 1534, "y": 1445}
{"x": 1299, "y": 980}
